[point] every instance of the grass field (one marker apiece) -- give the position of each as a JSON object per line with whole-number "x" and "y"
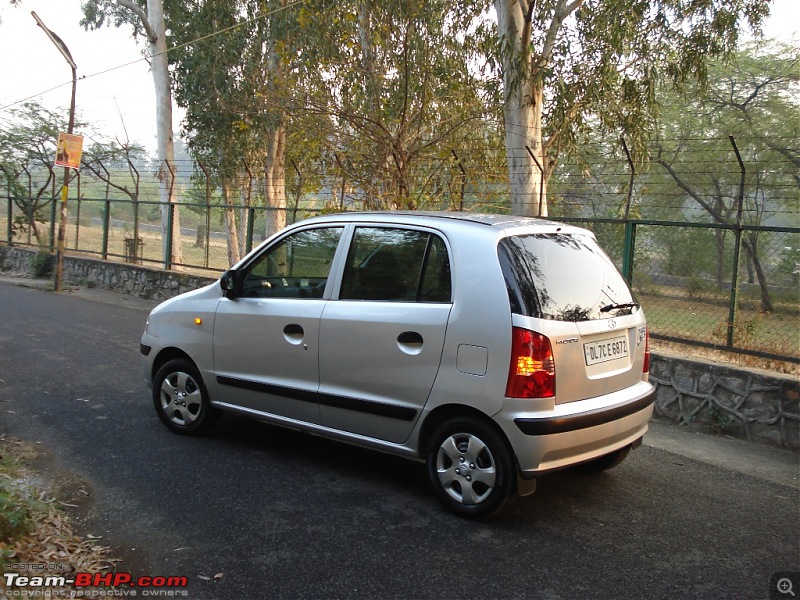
{"x": 89, "y": 239}
{"x": 704, "y": 321}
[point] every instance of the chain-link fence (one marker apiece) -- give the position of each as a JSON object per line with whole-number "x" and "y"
{"x": 719, "y": 286}
{"x": 205, "y": 237}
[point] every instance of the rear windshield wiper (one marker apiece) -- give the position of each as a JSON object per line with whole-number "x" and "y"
{"x": 610, "y": 307}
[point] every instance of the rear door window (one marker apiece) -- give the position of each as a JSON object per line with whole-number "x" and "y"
{"x": 393, "y": 264}
{"x": 562, "y": 277}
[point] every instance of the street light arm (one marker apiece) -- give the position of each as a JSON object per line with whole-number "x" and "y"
{"x": 62, "y": 225}
{"x": 57, "y": 41}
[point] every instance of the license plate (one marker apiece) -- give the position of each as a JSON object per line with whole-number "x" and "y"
{"x": 605, "y": 350}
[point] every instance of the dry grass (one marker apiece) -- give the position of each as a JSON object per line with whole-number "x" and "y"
{"x": 49, "y": 537}
{"x": 729, "y": 358}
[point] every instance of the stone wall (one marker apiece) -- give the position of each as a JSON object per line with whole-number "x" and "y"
{"x": 729, "y": 400}
{"x": 722, "y": 399}
{"x": 125, "y": 278}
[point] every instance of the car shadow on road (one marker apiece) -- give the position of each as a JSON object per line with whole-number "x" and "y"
{"x": 308, "y": 460}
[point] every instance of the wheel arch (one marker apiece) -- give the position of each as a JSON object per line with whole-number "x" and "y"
{"x": 448, "y": 411}
{"x": 504, "y": 490}
{"x": 166, "y": 355}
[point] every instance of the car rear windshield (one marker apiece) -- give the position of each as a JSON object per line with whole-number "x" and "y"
{"x": 562, "y": 277}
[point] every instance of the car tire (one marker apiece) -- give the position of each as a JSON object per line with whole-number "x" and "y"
{"x": 605, "y": 462}
{"x": 181, "y": 400}
{"x": 470, "y": 467}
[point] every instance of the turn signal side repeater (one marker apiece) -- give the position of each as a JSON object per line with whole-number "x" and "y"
{"x": 198, "y": 321}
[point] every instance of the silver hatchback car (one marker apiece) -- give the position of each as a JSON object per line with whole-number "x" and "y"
{"x": 493, "y": 348}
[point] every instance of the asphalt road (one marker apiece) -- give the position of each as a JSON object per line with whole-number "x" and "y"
{"x": 285, "y": 515}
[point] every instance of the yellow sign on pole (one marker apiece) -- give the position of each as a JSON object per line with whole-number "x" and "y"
{"x": 68, "y": 153}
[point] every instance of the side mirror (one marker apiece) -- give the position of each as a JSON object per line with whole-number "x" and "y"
{"x": 228, "y": 283}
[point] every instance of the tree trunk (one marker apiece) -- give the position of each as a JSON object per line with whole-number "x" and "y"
{"x": 403, "y": 198}
{"x": 368, "y": 57}
{"x": 232, "y": 234}
{"x": 751, "y": 249}
{"x": 36, "y": 233}
{"x": 164, "y": 133}
{"x": 522, "y": 113}
{"x": 275, "y": 180}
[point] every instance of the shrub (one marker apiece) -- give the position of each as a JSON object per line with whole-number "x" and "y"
{"x": 42, "y": 264}
{"x": 15, "y": 519}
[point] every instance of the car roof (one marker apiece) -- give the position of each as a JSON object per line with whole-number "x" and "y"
{"x": 495, "y": 221}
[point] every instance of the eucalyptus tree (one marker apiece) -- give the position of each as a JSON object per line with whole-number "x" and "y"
{"x": 753, "y": 99}
{"x": 147, "y": 19}
{"x": 239, "y": 71}
{"x": 206, "y": 79}
{"x": 404, "y": 82}
{"x": 573, "y": 66}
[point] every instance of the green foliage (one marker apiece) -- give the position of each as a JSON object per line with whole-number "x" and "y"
{"x": 365, "y": 88}
{"x": 15, "y": 518}
{"x": 721, "y": 421}
{"x": 788, "y": 269}
{"x": 753, "y": 98}
{"x": 699, "y": 289}
{"x": 599, "y": 70}
{"x": 689, "y": 252}
{"x": 375, "y": 95}
{"x": 116, "y": 166}
{"x": 22, "y": 224}
{"x": 27, "y": 151}
{"x": 42, "y": 264}
{"x": 98, "y": 13}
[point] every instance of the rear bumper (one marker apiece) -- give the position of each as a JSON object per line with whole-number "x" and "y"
{"x": 565, "y": 424}
{"x": 577, "y": 432}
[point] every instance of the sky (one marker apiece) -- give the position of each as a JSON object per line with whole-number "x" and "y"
{"x": 115, "y": 87}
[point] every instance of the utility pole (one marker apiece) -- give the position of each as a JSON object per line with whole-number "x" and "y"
{"x": 62, "y": 224}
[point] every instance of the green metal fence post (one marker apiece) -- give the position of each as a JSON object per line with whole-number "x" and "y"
{"x": 628, "y": 250}
{"x": 738, "y": 235}
{"x": 168, "y": 251}
{"x": 106, "y": 224}
{"x": 251, "y": 217}
{"x": 208, "y": 233}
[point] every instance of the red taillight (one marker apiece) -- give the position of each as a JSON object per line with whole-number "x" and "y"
{"x": 646, "y": 365}
{"x": 532, "y": 373}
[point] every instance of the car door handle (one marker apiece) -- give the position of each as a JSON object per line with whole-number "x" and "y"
{"x": 293, "y": 333}
{"x": 410, "y": 342}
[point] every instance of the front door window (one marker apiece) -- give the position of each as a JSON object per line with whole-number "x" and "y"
{"x": 296, "y": 267}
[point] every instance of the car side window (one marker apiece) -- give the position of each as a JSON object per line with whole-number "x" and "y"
{"x": 435, "y": 284}
{"x": 296, "y": 267}
{"x": 392, "y": 264}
